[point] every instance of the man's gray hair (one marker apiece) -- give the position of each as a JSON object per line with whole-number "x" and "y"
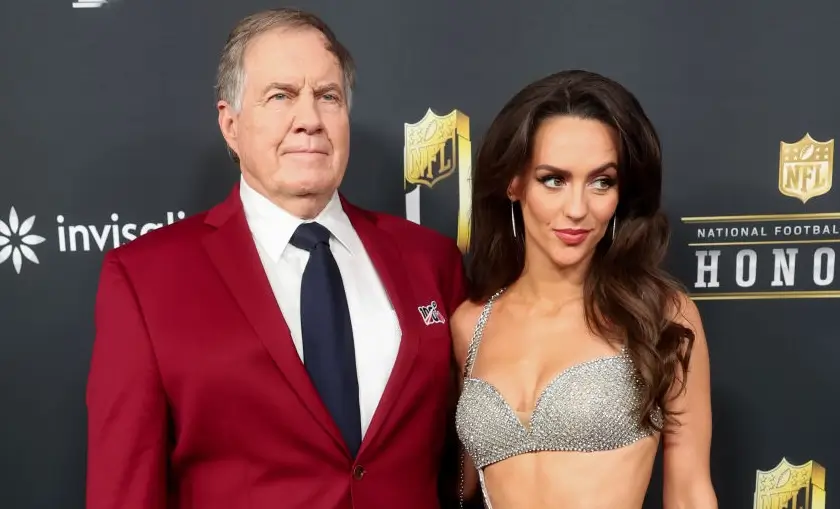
{"x": 230, "y": 76}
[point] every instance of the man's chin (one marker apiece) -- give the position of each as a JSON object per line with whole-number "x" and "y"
{"x": 312, "y": 189}
{"x": 313, "y": 182}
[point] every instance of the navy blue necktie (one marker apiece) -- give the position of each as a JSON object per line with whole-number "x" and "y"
{"x": 328, "y": 350}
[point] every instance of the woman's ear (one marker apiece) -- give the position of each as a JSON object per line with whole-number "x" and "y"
{"x": 513, "y": 190}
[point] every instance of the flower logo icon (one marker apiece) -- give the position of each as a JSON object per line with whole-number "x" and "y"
{"x": 16, "y": 241}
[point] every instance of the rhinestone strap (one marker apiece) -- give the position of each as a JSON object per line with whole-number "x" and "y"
{"x": 472, "y": 351}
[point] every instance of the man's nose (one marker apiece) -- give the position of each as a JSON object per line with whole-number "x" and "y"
{"x": 307, "y": 117}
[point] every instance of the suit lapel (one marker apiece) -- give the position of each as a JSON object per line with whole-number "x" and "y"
{"x": 231, "y": 249}
{"x": 392, "y": 271}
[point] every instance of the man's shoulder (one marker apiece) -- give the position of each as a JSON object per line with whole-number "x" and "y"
{"x": 413, "y": 237}
{"x": 164, "y": 244}
{"x": 428, "y": 255}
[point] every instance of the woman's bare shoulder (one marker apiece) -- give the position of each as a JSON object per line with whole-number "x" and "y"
{"x": 462, "y": 325}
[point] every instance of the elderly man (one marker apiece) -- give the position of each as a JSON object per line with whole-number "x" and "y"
{"x": 284, "y": 349}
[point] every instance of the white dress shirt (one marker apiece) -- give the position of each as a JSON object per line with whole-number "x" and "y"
{"x": 376, "y": 330}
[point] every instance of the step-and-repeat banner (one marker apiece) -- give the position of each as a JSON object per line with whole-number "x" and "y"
{"x": 109, "y": 130}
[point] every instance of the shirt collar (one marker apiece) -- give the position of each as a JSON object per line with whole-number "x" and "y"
{"x": 273, "y": 227}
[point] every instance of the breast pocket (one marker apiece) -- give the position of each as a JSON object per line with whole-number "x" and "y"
{"x": 435, "y": 349}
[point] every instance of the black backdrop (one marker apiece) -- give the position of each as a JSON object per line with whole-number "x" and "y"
{"x": 108, "y": 121}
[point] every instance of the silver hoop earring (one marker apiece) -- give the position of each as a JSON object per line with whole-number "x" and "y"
{"x": 615, "y": 220}
{"x": 512, "y": 220}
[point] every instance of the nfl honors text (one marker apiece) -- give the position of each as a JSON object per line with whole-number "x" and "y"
{"x": 772, "y": 256}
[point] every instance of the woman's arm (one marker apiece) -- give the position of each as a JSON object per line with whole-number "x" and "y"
{"x": 686, "y": 446}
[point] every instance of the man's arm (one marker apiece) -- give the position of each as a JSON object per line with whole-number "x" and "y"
{"x": 127, "y": 424}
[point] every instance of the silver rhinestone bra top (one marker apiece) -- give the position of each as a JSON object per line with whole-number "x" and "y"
{"x": 592, "y": 406}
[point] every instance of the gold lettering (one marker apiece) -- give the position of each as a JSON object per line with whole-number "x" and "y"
{"x": 781, "y": 500}
{"x": 447, "y": 162}
{"x": 820, "y": 175}
{"x": 422, "y": 159}
{"x": 417, "y": 163}
{"x": 777, "y": 501}
{"x": 805, "y": 177}
{"x": 793, "y": 174}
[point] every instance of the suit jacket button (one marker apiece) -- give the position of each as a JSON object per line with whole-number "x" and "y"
{"x": 358, "y": 472}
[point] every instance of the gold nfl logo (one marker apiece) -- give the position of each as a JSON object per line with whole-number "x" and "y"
{"x": 431, "y": 147}
{"x": 805, "y": 168}
{"x": 437, "y": 147}
{"x": 790, "y": 486}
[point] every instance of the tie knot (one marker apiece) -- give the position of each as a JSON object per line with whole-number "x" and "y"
{"x": 309, "y": 235}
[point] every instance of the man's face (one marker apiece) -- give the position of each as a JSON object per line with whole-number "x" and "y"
{"x": 292, "y": 134}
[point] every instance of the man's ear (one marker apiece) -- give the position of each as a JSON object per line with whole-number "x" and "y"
{"x": 229, "y": 125}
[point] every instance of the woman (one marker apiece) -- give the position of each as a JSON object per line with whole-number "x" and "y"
{"x": 578, "y": 352}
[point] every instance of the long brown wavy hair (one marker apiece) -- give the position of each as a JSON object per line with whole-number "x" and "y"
{"x": 627, "y": 294}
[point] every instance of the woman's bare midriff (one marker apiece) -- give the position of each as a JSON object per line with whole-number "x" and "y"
{"x": 616, "y": 479}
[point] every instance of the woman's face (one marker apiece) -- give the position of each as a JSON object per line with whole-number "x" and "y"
{"x": 569, "y": 191}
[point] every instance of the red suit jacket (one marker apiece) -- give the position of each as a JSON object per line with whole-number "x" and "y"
{"x": 197, "y": 398}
